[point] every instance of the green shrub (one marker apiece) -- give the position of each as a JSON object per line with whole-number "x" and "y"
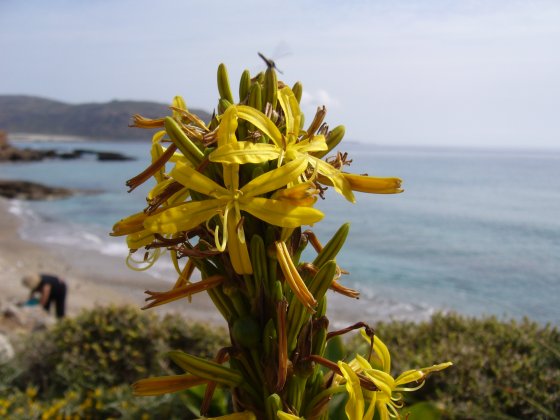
{"x": 197, "y": 338}
{"x": 106, "y": 347}
{"x": 82, "y": 367}
{"x": 102, "y": 347}
{"x": 106, "y": 403}
{"x": 501, "y": 369}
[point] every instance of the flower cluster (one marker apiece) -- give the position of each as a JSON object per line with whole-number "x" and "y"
{"x": 232, "y": 204}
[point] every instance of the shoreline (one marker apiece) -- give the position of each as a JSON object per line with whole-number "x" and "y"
{"x": 93, "y": 279}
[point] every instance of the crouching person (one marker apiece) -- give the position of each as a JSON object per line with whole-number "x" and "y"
{"x": 50, "y": 289}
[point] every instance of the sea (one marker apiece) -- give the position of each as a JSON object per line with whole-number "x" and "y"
{"x": 477, "y": 231}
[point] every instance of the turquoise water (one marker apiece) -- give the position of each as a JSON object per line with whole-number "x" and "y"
{"x": 476, "y": 231}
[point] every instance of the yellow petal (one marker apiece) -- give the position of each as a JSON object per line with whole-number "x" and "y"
{"x": 292, "y": 113}
{"x": 383, "y": 381}
{"x": 314, "y": 144}
{"x": 335, "y": 178}
{"x": 139, "y": 239}
{"x": 371, "y": 184}
{"x": 292, "y": 276}
{"x": 130, "y": 224}
{"x": 231, "y": 176}
{"x": 371, "y": 409}
{"x": 383, "y": 411}
{"x": 156, "y": 152}
{"x": 262, "y": 122}
{"x": 166, "y": 384}
{"x": 304, "y": 194}
{"x": 194, "y": 180}
{"x": 380, "y": 350}
{"x": 185, "y": 216}
{"x": 245, "y": 152}
{"x": 355, "y": 406}
{"x": 409, "y": 376}
{"x": 280, "y": 213}
{"x": 275, "y": 179}
{"x": 180, "y": 104}
{"x": 435, "y": 368}
{"x": 238, "y": 252}
{"x": 228, "y": 125}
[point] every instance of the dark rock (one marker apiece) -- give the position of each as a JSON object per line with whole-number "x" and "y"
{"x": 25, "y": 190}
{"x": 104, "y": 156}
{"x": 9, "y": 153}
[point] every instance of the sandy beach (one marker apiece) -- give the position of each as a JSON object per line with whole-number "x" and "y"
{"x": 93, "y": 279}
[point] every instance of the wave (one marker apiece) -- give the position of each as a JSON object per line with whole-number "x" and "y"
{"x": 79, "y": 237}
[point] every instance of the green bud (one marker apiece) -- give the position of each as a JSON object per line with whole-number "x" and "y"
{"x": 244, "y": 86}
{"x": 297, "y": 89}
{"x": 223, "y": 84}
{"x": 332, "y": 247}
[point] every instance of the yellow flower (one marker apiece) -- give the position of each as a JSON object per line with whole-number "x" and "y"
{"x": 388, "y": 398}
{"x": 228, "y": 203}
{"x": 287, "y": 147}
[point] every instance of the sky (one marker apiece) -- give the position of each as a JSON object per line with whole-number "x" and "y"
{"x": 418, "y": 72}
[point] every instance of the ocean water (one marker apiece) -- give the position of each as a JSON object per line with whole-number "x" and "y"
{"x": 476, "y": 231}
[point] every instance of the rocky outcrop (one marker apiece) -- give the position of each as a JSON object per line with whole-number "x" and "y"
{"x": 9, "y": 153}
{"x": 25, "y": 190}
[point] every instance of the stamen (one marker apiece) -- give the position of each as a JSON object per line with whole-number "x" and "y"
{"x": 210, "y": 138}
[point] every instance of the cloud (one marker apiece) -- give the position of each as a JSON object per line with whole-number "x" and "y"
{"x": 318, "y": 98}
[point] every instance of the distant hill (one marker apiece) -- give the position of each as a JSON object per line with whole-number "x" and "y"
{"x": 107, "y": 121}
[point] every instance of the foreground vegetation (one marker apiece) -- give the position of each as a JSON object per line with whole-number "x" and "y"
{"x": 82, "y": 367}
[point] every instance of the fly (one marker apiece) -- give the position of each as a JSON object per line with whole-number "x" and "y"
{"x": 270, "y": 64}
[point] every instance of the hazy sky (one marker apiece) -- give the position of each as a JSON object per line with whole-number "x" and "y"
{"x": 418, "y": 72}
